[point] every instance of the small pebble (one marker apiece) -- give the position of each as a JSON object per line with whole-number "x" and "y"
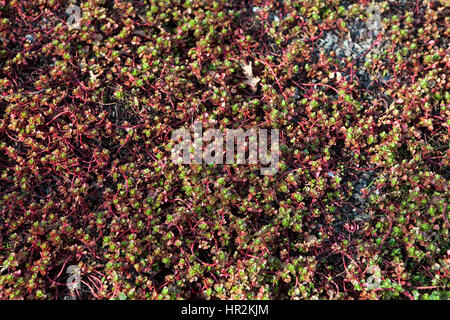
{"x": 30, "y": 37}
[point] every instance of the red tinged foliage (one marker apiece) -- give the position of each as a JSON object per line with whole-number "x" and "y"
{"x": 357, "y": 210}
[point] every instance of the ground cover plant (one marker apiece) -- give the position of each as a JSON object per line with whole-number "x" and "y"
{"x": 357, "y": 210}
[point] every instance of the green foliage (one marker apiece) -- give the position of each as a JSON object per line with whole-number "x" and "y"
{"x": 357, "y": 210}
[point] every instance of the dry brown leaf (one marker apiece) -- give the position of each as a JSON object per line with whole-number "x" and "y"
{"x": 248, "y": 73}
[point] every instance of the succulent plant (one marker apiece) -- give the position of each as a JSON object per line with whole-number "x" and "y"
{"x": 357, "y": 210}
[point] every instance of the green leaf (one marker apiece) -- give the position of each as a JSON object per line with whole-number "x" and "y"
{"x": 122, "y": 296}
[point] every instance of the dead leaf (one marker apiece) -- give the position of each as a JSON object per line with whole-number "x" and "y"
{"x": 248, "y": 73}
